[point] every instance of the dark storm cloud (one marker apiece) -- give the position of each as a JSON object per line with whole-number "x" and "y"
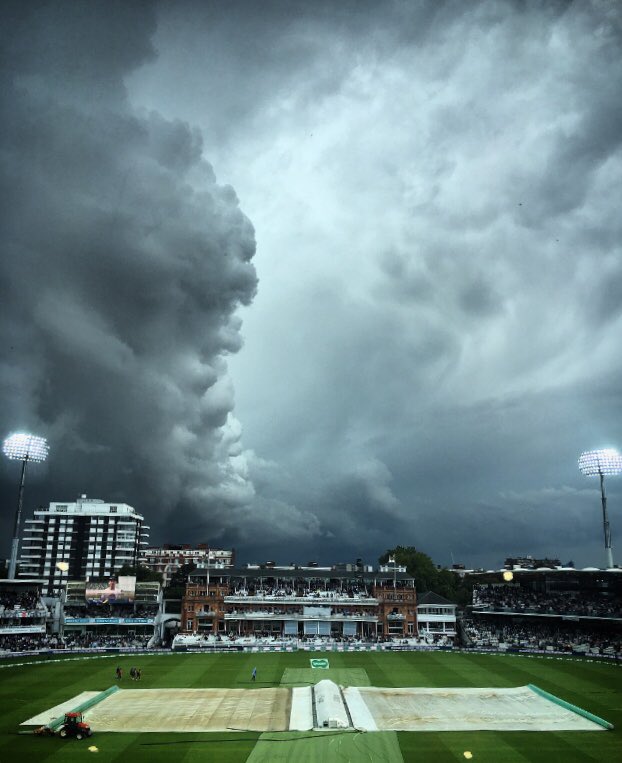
{"x": 435, "y": 190}
{"x": 123, "y": 264}
{"x": 440, "y": 270}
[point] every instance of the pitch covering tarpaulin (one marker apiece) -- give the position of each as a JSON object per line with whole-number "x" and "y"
{"x": 136, "y": 710}
{"x": 367, "y": 708}
{"x": 460, "y": 709}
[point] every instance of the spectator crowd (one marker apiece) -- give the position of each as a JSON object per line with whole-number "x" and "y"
{"x": 514, "y": 598}
{"x": 30, "y": 642}
{"x": 22, "y": 600}
{"x": 112, "y": 610}
{"x": 302, "y": 590}
{"x": 542, "y": 636}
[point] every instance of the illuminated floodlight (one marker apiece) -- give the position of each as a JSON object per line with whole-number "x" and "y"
{"x": 22, "y": 447}
{"x": 601, "y": 463}
{"x": 26, "y": 447}
{"x": 508, "y": 575}
{"x": 605, "y": 461}
{"x": 62, "y": 566}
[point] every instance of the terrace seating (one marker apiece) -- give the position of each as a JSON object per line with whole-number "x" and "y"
{"x": 513, "y": 598}
{"x": 538, "y": 636}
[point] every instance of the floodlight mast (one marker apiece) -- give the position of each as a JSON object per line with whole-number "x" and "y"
{"x": 24, "y": 448}
{"x": 602, "y": 462}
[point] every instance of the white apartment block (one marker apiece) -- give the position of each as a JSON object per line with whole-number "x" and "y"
{"x": 87, "y": 539}
{"x": 170, "y": 558}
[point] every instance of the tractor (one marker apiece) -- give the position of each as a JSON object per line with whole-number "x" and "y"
{"x": 74, "y": 726}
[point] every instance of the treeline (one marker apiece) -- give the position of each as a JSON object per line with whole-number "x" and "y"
{"x": 428, "y": 576}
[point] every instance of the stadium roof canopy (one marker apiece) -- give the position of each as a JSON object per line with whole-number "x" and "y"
{"x": 305, "y": 574}
{"x": 429, "y": 597}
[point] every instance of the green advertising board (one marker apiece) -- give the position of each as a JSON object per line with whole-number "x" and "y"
{"x": 321, "y": 662}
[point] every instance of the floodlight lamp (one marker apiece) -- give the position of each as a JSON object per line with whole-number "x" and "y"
{"x": 62, "y": 566}
{"x": 25, "y": 447}
{"x": 508, "y": 575}
{"x": 593, "y": 463}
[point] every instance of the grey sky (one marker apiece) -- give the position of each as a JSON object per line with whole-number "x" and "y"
{"x": 434, "y": 337}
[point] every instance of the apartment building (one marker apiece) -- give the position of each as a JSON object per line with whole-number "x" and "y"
{"x": 170, "y": 557}
{"x": 86, "y": 539}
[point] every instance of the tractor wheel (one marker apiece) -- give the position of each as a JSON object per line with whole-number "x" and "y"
{"x": 63, "y": 733}
{"x": 89, "y": 732}
{"x": 79, "y": 735}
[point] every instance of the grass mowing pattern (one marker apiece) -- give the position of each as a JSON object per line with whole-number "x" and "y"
{"x": 340, "y": 676}
{"x": 594, "y": 686}
{"x": 340, "y": 746}
{"x": 327, "y": 747}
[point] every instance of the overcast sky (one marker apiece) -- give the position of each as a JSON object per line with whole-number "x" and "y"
{"x": 312, "y": 279}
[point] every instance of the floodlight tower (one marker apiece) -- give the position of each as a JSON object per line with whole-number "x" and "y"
{"x": 602, "y": 462}
{"x": 24, "y": 448}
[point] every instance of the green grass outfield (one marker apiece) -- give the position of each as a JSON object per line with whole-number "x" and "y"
{"x": 30, "y": 688}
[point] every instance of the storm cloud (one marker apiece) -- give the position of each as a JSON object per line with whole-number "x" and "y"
{"x": 434, "y": 189}
{"x": 124, "y": 262}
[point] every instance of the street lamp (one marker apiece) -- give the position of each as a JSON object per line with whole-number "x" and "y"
{"x": 24, "y": 448}
{"x": 602, "y": 462}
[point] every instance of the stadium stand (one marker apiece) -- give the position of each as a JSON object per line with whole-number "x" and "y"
{"x": 568, "y": 611}
{"x": 515, "y": 598}
{"x": 547, "y": 636}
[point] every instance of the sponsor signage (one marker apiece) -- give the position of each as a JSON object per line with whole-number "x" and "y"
{"x": 109, "y": 621}
{"x": 321, "y": 663}
{"x": 316, "y": 611}
{"x": 22, "y": 629}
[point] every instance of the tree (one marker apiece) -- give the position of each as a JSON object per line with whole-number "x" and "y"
{"x": 428, "y": 577}
{"x": 180, "y": 576}
{"x": 177, "y": 585}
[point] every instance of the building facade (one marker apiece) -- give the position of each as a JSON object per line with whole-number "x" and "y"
{"x": 87, "y": 539}
{"x": 169, "y": 558}
{"x": 300, "y": 602}
{"x": 529, "y": 563}
{"x": 125, "y": 620}
{"x": 436, "y": 617}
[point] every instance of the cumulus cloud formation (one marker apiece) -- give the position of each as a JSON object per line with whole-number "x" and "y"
{"x": 434, "y": 189}
{"x": 124, "y": 262}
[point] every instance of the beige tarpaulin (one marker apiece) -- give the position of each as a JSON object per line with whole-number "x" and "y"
{"x": 459, "y": 709}
{"x": 364, "y": 707}
{"x": 193, "y": 710}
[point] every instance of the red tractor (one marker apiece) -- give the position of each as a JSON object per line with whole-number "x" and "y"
{"x": 74, "y": 726}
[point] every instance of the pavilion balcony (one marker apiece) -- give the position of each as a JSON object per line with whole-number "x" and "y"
{"x": 300, "y": 617}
